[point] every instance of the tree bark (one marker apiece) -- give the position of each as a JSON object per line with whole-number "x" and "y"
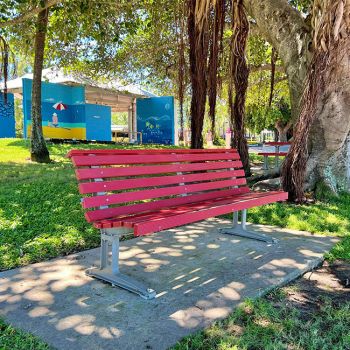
{"x": 282, "y": 129}
{"x": 329, "y": 144}
{"x": 239, "y": 74}
{"x": 39, "y": 151}
{"x": 198, "y": 41}
{"x": 286, "y": 30}
{"x": 215, "y": 49}
{"x": 329, "y": 141}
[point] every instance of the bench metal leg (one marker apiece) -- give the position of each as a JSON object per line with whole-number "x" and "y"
{"x": 241, "y": 230}
{"x": 277, "y": 162}
{"x": 109, "y": 270}
{"x": 266, "y": 163}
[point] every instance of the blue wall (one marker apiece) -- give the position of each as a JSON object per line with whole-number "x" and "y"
{"x": 155, "y": 119}
{"x": 73, "y": 122}
{"x": 98, "y": 122}
{"x": 7, "y": 116}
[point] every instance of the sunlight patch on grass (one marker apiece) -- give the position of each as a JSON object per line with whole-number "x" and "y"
{"x": 260, "y": 324}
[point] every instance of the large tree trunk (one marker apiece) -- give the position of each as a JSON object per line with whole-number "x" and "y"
{"x": 198, "y": 41}
{"x": 329, "y": 146}
{"x": 286, "y": 30}
{"x": 282, "y": 129}
{"x": 329, "y": 143}
{"x": 325, "y": 104}
{"x": 39, "y": 151}
{"x": 239, "y": 73}
{"x": 217, "y": 30}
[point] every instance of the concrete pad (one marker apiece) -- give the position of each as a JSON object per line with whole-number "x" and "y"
{"x": 199, "y": 274}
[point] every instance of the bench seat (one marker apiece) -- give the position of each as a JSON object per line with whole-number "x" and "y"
{"x": 172, "y": 216}
{"x": 273, "y": 154}
{"x": 147, "y": 191}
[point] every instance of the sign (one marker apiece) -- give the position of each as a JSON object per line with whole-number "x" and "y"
{"x": 156, "y": 119}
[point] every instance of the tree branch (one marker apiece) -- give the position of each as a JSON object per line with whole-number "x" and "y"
{"x": 263, "y": 67}
{"x": 290, "y": 34}
{"x": 30, "y": 13}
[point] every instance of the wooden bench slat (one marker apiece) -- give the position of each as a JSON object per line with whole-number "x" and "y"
{"x": 277, "y": 143}
{"x": 241, "y": 202}
{"x": 95, "y": 173}
{"x": 103, "y": 214}
{"x": 130, "y": 220}
{"x": 125, "y": 197}
{"x": 147, "y": 159}
{"x": 146, "y": 151}
{"x": 282, "y": 154}
{"x": 142, "y": 182}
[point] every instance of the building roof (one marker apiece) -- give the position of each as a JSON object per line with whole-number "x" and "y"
{"x": 112, "y": 93}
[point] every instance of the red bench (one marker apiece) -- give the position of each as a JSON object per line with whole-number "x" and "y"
{"x": 275, "y": 154}
{"x": 146, "y": 191}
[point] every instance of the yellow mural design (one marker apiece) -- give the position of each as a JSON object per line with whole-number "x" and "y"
{"x": 62, "y": 133}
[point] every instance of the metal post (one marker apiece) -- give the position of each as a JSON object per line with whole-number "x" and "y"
{"x": 235, "y": 218}
{"x": 134, "y": 121}
{"x": 277, "y": 149}
{"x": 115, "y": 256}
{"x": 266, "y": 163}
{"x": 241, "y": 230}
{"x": 104, "y": 253}
{"x": 130, "y": 120}
{"x": 244, "y": 219}
{"x": 109, "y": 270}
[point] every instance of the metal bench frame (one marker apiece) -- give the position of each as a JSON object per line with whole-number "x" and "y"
{"x": 109, "y": 269}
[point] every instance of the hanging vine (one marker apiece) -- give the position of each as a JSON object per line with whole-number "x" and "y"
{"x": 273, "y": 73}
{"x": 182, "y": 68}
{"x": 7, "y": 64}
{"x": 238, "y": 83}
{"x": 331, "y": 26}
{"x": 216, "y": 47}
{"x": 198, "y": 37}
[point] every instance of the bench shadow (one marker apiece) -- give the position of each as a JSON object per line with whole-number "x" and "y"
{"x": 199, "y": 275}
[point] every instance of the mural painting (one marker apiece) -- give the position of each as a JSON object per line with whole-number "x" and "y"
{"x": 7, "y": 116}
{"x": 64, "y": 113}
{"x": 156, "y": 119}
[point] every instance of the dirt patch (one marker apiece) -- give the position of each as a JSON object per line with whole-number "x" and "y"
{"x": 329, "y": 283}
{"x": 341, "y": 269}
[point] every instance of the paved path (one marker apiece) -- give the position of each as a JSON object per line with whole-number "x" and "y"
{"x": 272, "y": 149}
{"x": 200, "y": 276}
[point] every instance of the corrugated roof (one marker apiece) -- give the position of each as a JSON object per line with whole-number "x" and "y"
{"x": 59, "y": 76}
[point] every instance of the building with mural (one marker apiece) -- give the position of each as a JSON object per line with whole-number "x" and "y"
{"x": 66, "y": 115}
{"x": 76, "y": 107}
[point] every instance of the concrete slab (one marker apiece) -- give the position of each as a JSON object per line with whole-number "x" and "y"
{"x": 200, "y": 276}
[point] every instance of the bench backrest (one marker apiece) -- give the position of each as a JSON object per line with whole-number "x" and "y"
{"x": 124, "y": 182}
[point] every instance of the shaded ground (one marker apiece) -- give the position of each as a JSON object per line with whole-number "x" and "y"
{"x": 200, "y": 276}
{"x": 308, "y": 294}
{"x": 312, "y": 313}
{"x": 41, "y": 218}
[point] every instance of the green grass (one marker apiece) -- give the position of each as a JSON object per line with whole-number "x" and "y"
{"x": 40, "y": 212}
{"x": 330, "y": 218}
{"x": 13, "y": 339}
{"x": 41, "y": 218}
{"x": 261, "y": 324}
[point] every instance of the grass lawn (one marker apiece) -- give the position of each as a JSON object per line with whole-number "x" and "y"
{"x": 271, "y": 323}
{"x": 40, "y": 212}
{"x": 14, "y": 339}
{"x": 41, "y": 218}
